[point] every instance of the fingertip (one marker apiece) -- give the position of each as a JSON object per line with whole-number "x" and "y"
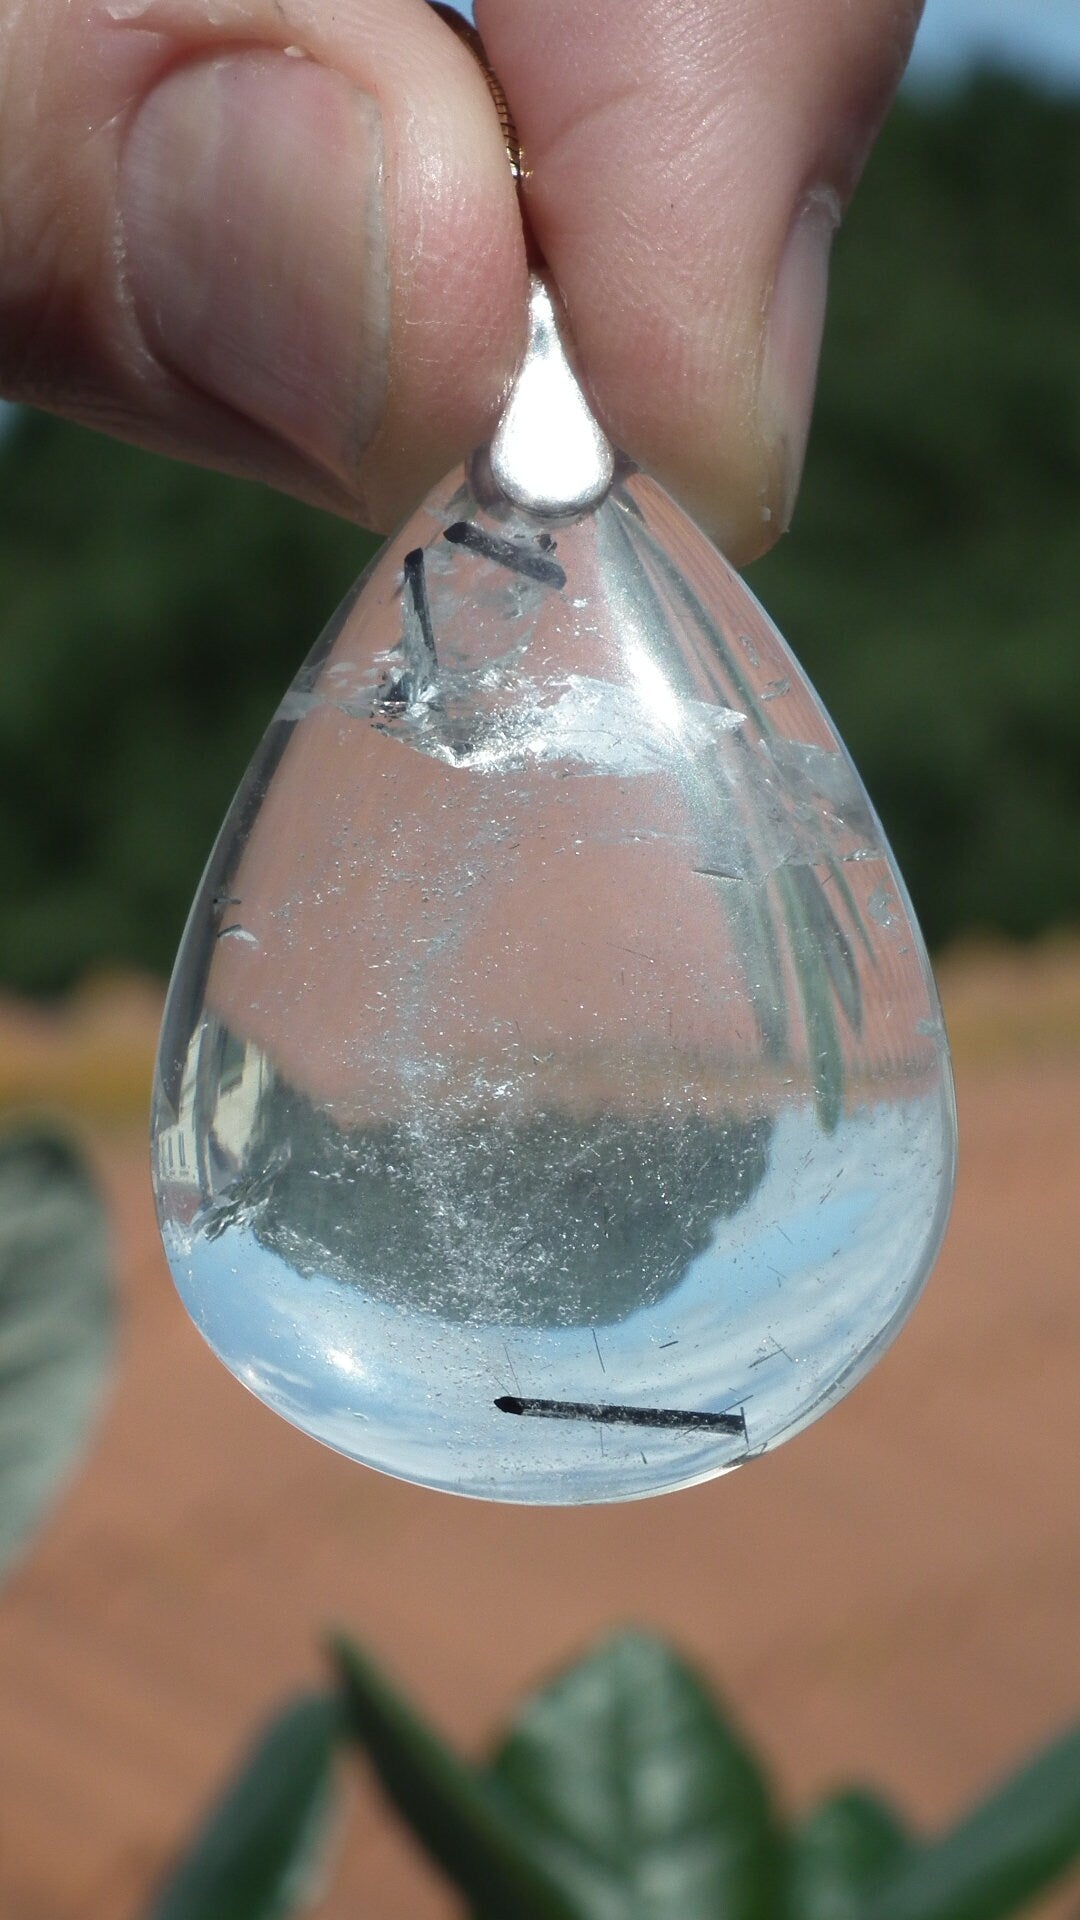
{"x": 291, "y": 248}
{"x": 254, "y": 223}
{"x": 457, "y": 272}
{"x": 688, "y": 168}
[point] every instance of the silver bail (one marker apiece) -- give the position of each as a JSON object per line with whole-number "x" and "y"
{"x": 549, "y": 455}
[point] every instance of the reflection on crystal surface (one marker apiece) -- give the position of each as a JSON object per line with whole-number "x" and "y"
{"x": 551, "y": 1024}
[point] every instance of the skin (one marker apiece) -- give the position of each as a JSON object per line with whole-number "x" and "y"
{"x": 280, "y": 236}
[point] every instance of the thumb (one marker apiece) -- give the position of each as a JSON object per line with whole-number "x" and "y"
{"x": 251, "y": 196}
{"x": 277, "y": 238}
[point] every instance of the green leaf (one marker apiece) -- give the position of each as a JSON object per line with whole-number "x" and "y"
{"x": 55, "y": 1323}
{"x": 463, "y": 1821}
{"x": 257, "y": 1855}
{"x": 846, "y": 1845}
{"x": 1002, "y": 1855}
{"x": 642, "y": 1799}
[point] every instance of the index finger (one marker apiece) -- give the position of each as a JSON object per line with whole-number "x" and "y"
{"x": 689, "y": 160}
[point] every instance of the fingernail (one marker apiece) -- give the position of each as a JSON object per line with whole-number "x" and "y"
{"x": 796, "y": 319}
{"x": 252, "y": 209}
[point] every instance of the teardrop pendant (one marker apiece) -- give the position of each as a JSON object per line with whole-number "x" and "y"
{"x": 553, "y": 1101}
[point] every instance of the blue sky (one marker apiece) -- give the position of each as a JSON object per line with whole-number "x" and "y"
{"x": 1039, "y": 37}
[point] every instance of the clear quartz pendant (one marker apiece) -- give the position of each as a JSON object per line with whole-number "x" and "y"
{"x": 553, "y": 1101}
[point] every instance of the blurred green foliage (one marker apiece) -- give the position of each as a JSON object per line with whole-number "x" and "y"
{"x": 151, "y": 615}
{"x": 621, "y": 1790}
{"x": 931, "y": 579}
{"x": 56, "y": 1323}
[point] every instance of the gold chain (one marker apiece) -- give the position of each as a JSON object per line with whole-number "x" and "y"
{"x": 468, "y": 35}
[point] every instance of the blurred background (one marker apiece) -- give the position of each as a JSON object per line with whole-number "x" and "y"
{"x": 893, "y": 1597}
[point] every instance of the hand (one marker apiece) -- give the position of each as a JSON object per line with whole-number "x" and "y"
{"x": 280, "y": 236}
